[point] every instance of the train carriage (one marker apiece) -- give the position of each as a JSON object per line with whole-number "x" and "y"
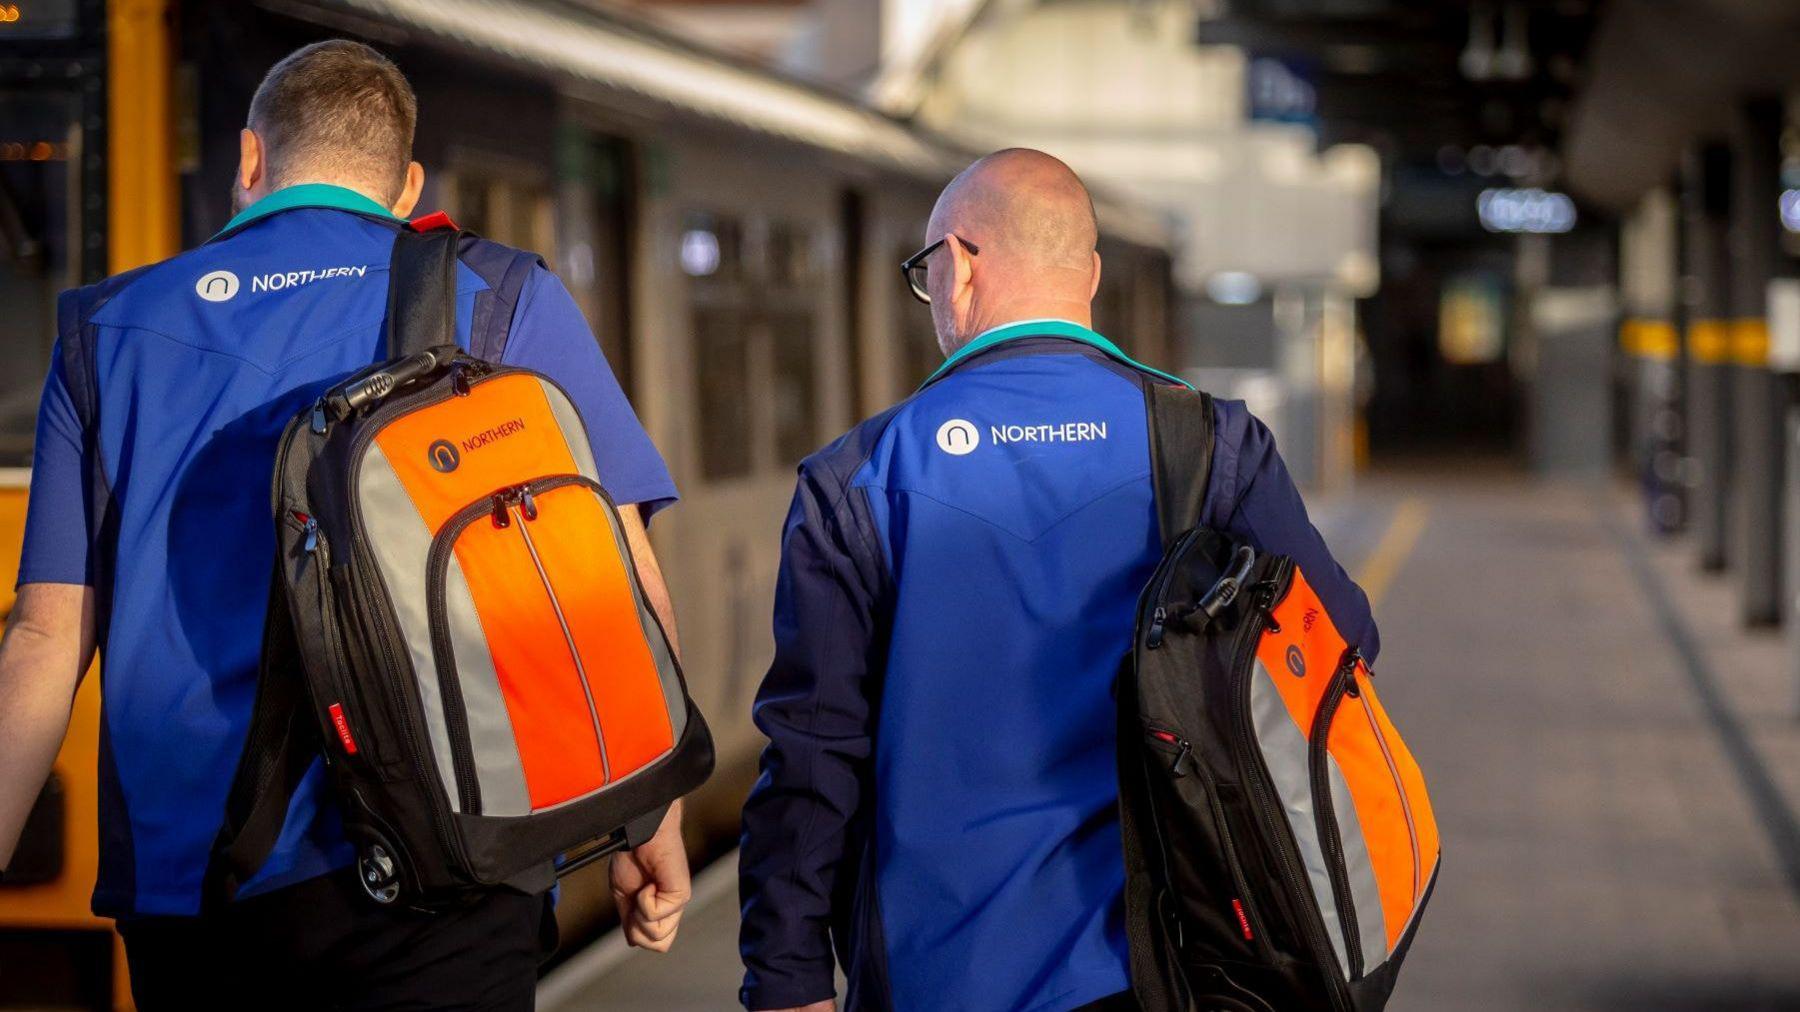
{"x": 733, "y": 236}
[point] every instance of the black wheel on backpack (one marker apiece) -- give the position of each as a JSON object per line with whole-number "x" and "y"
{"x": 378, "y": 873}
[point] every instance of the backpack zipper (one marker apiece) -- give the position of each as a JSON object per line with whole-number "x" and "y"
{"x": 1325, "y": 809}
{"x": 500, "y": 507}
{"x": 526, "y": 508}
{"x": 1256, "y": 776}
{"x": 1412, "y": 830}
{"x": 1245, "y": 904}
{"x": 1158, "y": 588}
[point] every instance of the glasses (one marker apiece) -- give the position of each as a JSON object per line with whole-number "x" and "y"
{"x": 913, "y": 267}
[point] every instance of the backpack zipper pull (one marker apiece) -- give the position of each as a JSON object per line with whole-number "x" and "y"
{"x": 311, "y": 529}
{"x": 528, "y": 504}
{"x": 1184, "y": 748}
{"x": 1187, "y": 749}
{"x": 1158, "y": 619}
{"x": 501, "y": 515}
{"x": 459, "y": 380}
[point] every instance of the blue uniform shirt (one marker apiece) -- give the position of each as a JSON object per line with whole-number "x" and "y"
{"x": 198, "y": 363}
{"x": 959, "y": 578}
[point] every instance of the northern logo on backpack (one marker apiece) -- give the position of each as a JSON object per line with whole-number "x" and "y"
{"x": 443, "y": 456}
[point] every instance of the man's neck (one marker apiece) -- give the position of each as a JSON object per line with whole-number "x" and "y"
{"x": 1080, "y": 313}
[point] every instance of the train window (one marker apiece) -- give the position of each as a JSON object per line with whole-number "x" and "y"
{"x": 788, "y": 260}
{"x": 722, "y": 347}
{"x": 796, "y": 400}
{"x": 39, "y": 246}
{"x": 39, "y": 19}
{"x": 593, "y": 211}
{"x": 712, "y": 246}
{"x": 504, "y": 206}
{"x": 750, "y": 285}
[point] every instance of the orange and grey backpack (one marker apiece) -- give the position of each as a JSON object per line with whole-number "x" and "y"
{"x": 456, "y": 625}
{"x": 1279, "y": 843}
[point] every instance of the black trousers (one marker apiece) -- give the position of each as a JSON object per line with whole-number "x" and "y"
{"x": 321, "y": 944}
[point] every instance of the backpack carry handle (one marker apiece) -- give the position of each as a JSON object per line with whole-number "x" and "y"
{"x": 1221, "y": 594}
{"x": 373, "y": 385}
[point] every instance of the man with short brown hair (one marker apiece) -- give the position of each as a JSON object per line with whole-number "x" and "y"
{"x": 149, "y": 533}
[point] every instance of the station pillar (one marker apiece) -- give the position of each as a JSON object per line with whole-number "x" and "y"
{"x": 1649, "y": 335}
{"x": 1758, "y": 394}
{"x": 1706, "y": 304}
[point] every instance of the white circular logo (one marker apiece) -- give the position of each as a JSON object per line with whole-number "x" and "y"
{"x": 218, "y": 286}
{"x": 957, "y": 437}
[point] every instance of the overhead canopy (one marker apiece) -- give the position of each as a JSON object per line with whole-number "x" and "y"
{"x": 1664, "y": 74}
{"x": 590, "y": 45}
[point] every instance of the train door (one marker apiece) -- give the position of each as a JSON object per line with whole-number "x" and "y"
{"x": 53, "y": 235}
{"x": 743, "y": 367}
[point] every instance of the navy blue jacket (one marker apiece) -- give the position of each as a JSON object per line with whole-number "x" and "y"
{"x": 958, "y": 581}
{"x": 156, "y": 441}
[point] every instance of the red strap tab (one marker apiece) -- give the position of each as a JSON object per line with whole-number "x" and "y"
{"x": 430, "y": 222}
{"x": 343, "y": 728}
{"x": 1237, "y": 907}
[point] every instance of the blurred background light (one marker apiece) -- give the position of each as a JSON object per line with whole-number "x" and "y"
{"x": 1790, "y": 210}
{"x": 1234, "y": 288}
{"x": 1525, "y": 210}
{"x": 699, "y": 253}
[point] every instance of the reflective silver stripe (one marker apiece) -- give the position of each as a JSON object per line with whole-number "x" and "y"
{"x": 574, "y": 433}
{"x": 1365, "y": 892}
{"x": 587, "y": 690}
{"x": 492, "y": 740}
{"x": 399, "y": 541}
{"x": 1285, "y": 750}
{"x": 1412, "y": 830}
{"x": 653, "y": 636}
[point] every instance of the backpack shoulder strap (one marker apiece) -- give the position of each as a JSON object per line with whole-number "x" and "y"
{"x": 505, "y": 270}
{"x": 421, "y": 309}
{"x": 1181, "y": 449}
{"x": 281, "y": 745}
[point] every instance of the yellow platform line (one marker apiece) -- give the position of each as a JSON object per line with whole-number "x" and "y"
{"x": 1391, "y": 552}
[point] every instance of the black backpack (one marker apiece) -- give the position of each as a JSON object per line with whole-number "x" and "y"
{"x": 1279, "y": 844}
{"x": 456, "y": 626}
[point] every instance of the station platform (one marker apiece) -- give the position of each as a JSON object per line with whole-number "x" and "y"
{"x": 1614, "y": 761}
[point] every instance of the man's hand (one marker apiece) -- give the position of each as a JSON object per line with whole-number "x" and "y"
{"x": 650, "y": 885}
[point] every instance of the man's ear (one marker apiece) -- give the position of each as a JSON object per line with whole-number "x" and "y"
{"x": 251, "y": 162}
{"x": 1094, "y": 289}
{"x": 409, "y": 194}
{"x": 963, "y": 267}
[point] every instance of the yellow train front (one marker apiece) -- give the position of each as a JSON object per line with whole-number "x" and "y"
{"x": 732, "y": 236}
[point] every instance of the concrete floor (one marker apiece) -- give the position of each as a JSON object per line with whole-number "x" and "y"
{"x": 1614, "y": 762}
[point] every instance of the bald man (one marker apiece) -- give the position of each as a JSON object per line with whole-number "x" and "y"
{"x": 958, "y": 584}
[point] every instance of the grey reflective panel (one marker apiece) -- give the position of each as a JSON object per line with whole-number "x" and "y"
{"x": 1285, "y": 750}
{"x": 399, "y": 541}
{"x": 1365, "y": 892}
{"x": 498, "y": 767}
{"x": 659, "y": 645}
{"x": 574, "y": 433}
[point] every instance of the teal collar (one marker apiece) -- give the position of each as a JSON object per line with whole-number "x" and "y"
{"x": 1044, "y": 328}
{"x": 307, "y": 195}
